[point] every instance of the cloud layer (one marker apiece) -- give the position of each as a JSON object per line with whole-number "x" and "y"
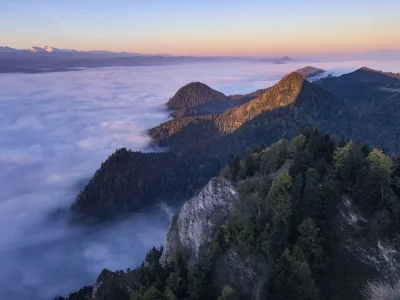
{"x": 55, "y": 130}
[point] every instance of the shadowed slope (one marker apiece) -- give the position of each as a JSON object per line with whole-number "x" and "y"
{"x": 374, "y": 100}
{"x": 195, "y": 99}
{"x": 194, "y": 94}
{"x": 361, "y": 85}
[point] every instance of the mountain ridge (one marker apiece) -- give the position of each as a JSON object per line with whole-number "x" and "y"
{"x": 204, "y": 141}
{"x": 280, "y": 95}
{"x": 200, "y": 145}
{"x": 48, "y": 49}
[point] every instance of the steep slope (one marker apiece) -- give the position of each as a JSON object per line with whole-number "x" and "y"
{"x": 284, "y": 93}
{"x": 293, "y": 89}
{"x": 362, "y": 105}
{"x": 311, "y": 218}
{"x": 199, "y": 218}
{"x": 353, "y": 251}
{"x": 374, "y": 99}
{"x": 361, "y": 85}
{"x": 130, "y": 181}
{"x": 216, "y": 106}
{"x": 194, "y": 94}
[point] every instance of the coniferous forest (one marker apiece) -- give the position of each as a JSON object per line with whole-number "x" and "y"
{"x": 310, "y": 203}
{"x": 287, "y": 218}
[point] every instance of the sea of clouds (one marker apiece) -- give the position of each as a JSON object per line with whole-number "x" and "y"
{"x": 56, "y": 129}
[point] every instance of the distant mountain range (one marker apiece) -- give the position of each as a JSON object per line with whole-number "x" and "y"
{"x": 52, "y": 50}
{"x": 44, "y": 59}
{"x": 49, "y": 49}
{"x": 279, "y": 60}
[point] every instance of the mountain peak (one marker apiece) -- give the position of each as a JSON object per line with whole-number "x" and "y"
{"x": 7, "y": 49}
{"x": 197, "y": 84}
{"x": 310, "y": 71}
{"x": 292, "y": 78}
{"x": 367, "y": 69}
{"x": 372, "y": 74}
{"x": 194, "y": 94}
{"x": 41, "y": 49}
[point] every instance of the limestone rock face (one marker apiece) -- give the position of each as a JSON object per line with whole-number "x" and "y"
{"x": 376, "y": 252}
{"x": 241, "y": 271}
{"x": 172, "y": 243}
{"x": 200, "y": 218}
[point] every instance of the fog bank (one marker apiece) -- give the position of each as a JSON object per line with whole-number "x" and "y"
{"x": 56, "y": 129}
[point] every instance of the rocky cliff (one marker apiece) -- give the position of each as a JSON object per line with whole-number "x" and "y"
{"x": 199, "y": 219}
{"x": 344, "y": 238}
{"x": 312, "y": 218}
{"x": 376, "y": 252}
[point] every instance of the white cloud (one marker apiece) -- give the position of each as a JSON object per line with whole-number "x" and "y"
{"x": 55, "y": 130}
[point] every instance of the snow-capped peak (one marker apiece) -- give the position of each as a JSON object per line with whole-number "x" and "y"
{"x": 48, "y": 49}
{"x": 43, "y": 49}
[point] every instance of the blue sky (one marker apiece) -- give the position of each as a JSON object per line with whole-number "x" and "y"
{"x": 205, "y": 27}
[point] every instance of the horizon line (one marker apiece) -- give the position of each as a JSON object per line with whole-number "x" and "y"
{"x": 339, "y": 53}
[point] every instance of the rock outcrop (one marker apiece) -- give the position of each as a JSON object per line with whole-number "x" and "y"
{"x": 200, "y": 218}
{"x": 374, "y": 251}
{"x": 240, "y": 270}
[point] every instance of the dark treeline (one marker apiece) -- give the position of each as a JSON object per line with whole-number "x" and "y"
{"x": 128, "y": 181}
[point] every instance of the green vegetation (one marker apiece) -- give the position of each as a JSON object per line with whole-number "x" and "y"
{"x": 128, "y": 181}
{"x": 84, "y": 293}
{"x": 290, "y": 195}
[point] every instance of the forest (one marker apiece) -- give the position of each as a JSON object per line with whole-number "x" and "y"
{"x": 290, "y": 193}
{"x": 358, "y": 106}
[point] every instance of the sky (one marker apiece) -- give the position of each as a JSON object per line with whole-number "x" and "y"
{"x": 206, "y": 27}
